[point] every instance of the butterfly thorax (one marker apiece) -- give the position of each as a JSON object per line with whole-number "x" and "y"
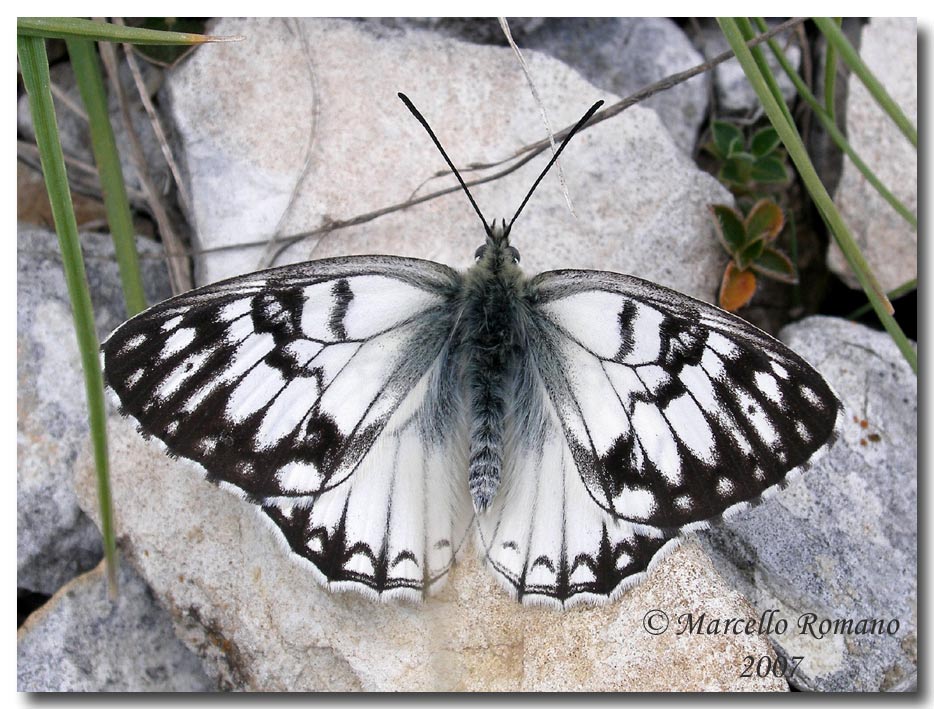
{"x": 490, "y": 303}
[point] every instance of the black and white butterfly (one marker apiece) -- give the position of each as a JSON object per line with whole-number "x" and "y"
{"x": 380, "y": 410}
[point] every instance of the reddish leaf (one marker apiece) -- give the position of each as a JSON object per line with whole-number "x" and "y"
{"x": 737, "y": 288}
{"x": 765, "y": 221}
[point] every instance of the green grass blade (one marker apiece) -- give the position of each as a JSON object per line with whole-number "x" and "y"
{"x": 836, "y": 134}
{"x": 796, "y": 151}
{"x": 91, "y": 84}
{"x": 35, "y": 70}
{"x": 758, "y": 56}
{"x": 898, "y": 292}
{"x": 835, "y": 36}
{"x": 78, "y": 28}
{"x": 830, "y": 76}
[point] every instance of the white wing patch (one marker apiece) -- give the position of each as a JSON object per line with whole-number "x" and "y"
{"x": 393, "y": 529}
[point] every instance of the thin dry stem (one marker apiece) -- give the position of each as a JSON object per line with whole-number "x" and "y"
{"x": 179, "y": 269}
{"x": 144, "y": 97}
{"x": 271, "y": 252}
{"x": 519, "y": 158}
{"x": 541, "y": 107}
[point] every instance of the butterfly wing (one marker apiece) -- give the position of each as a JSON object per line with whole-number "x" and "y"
{"x": 395, "y": 526}
{"x": 660, "y": 413}
{"x": 546, "y": 541}
{"x": 312, "y": 390}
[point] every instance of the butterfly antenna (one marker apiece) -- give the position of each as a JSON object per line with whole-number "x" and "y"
{"x": 554, "y": 158}
{"x": 421, "y": 119}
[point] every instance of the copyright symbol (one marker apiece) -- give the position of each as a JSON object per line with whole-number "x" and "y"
{"x": 655, "y": 622}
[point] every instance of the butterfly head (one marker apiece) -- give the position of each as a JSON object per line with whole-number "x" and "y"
{"x": 497, "y": 250}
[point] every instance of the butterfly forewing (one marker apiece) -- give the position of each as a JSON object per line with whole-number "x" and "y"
{"x": 674, "y": 411}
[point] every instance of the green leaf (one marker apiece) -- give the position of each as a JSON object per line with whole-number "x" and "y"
{"x": 78, "y": 28}
{"x": 734, "y": 172}
{"x": 769, "y": 170}
{"x": 750, "y": 253}
{"x": 743, "y": 156}
{"x": 764, "y": 142}
{"x": 730, "y": 228}
{"x": 765, "y": 221}
{"x": 772, "y": 263}
{"x": 724, "y": 135}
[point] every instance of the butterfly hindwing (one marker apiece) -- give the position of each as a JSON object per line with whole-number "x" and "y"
{"x": 395, "y": 526}
{"x": 675, "y": 412}
{"x": 544, "y": 538}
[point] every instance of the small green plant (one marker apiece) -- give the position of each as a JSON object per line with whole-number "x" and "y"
{"x": 749, "y": 240}
{"x": 747, "y": 164}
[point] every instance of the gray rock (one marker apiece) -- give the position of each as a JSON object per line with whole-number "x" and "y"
{"x": 641, "y": 204}
{"x": 479, "y": 30}
{"x": 84, "y": 641}
{"x": 74, "y": 131}
{"x": 734, "y": 92}
{"x": 841, "y": 541}
{"x": 625, "y": 54}
{"x": 259, "y": 619}
{"x": 54, "y": 540}
{"x": 889, "y": 47}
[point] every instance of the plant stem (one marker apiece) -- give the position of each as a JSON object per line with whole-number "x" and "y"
{"x": 835, "y": 36}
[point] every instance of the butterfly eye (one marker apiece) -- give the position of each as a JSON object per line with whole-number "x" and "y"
{"x": 478, "y": 254}
{"x": 514, "y": 253}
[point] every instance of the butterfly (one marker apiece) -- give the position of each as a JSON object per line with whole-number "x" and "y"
{"x": 380, "y": 411}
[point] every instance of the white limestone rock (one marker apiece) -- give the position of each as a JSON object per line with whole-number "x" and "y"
{"x": 889, "y": 47}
